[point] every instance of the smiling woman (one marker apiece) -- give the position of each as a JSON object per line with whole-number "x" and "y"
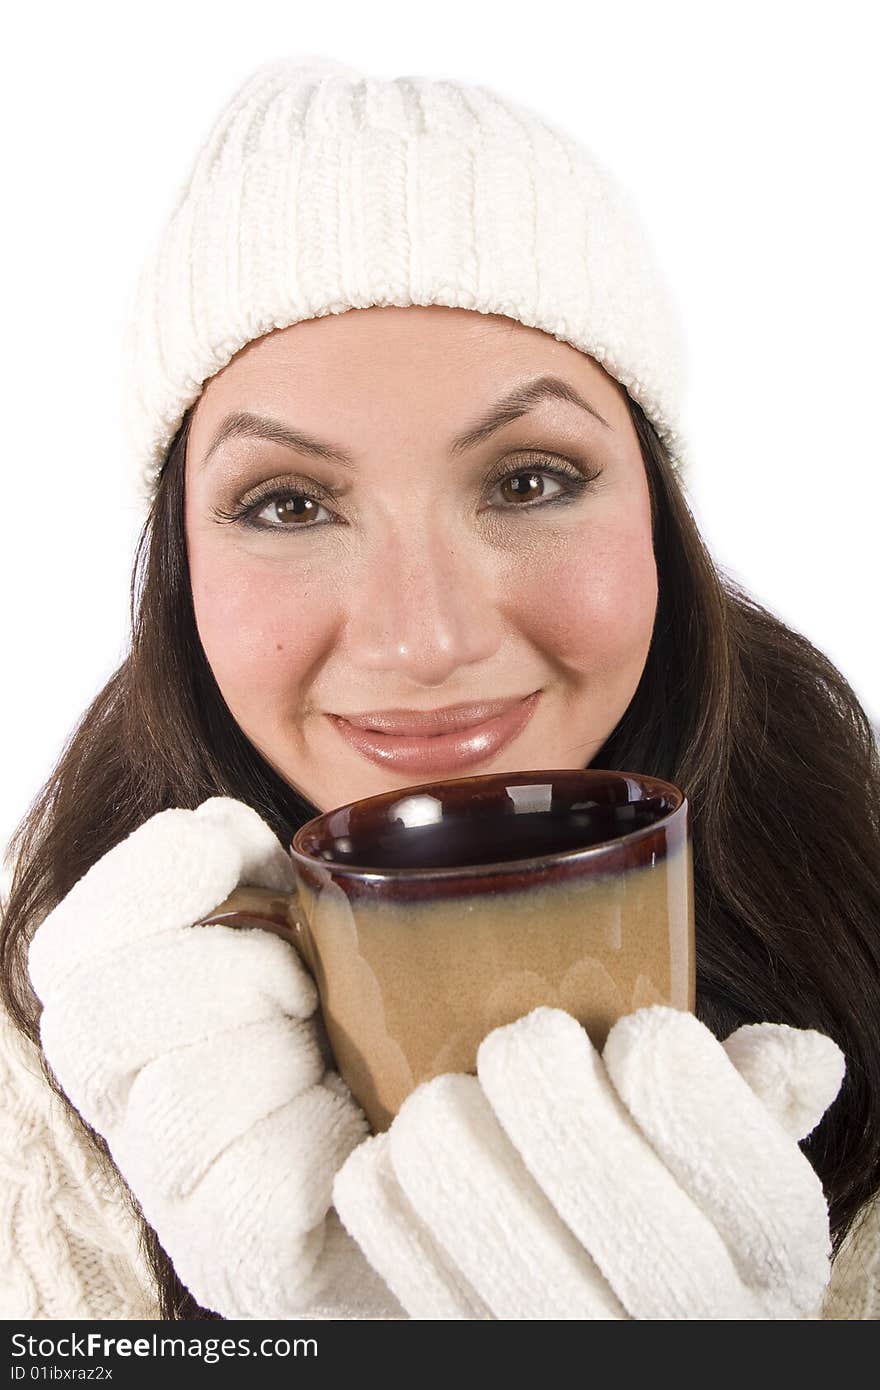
{"x": 414, "y": 489}
{"x": 444, "y": 566}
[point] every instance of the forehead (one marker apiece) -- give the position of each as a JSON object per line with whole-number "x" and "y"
{"x": 364, "y": 344}
{"x": 386, "y": 368}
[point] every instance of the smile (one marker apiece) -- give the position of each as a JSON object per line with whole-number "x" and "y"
{"x": 459, "y": 749}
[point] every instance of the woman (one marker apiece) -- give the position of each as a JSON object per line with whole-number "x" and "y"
{"x": 393, "y": 315}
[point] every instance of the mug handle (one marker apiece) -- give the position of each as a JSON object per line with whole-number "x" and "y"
{"x": 261, "y": 907}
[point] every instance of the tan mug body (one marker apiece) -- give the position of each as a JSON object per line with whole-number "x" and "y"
{"x": 431, "y": 915}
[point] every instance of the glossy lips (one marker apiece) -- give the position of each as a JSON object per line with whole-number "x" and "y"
{"x": 421, "y": 723}
{"x": 445, "y": 752}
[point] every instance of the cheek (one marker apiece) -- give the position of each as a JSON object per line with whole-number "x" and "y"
{"x": 263, "y": 631}
{"x": 596, "y": 600}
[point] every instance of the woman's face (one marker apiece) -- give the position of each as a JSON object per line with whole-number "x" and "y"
{"x": 437, "y": 563}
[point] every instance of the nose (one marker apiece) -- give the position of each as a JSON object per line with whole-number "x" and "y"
{"x": 425, "y": 606}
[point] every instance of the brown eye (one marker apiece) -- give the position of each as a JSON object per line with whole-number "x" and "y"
{"x": 526, "y": 486}
{"x": 292, "y": 508}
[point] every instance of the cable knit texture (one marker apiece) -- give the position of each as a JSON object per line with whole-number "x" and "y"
{"x": 320, "y": 189}
{"x": 69, "y": 1245}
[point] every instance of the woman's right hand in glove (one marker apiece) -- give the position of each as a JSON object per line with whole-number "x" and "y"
{"x": 197, "y": 1053}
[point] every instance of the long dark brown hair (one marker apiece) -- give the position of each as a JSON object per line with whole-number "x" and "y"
{"x": 765, "y": 736}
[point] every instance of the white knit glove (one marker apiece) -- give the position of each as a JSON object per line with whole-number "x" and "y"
{"x": 193, "y": 1051}
{"x": 660, "y": 1180}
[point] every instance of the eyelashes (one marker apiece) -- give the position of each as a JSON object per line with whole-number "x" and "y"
{"x": 573, "y": 482}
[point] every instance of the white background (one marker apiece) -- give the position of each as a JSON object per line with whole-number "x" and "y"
{"x": 746, "y": 132}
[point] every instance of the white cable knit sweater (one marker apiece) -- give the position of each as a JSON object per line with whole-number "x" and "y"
{"x": 69, "y": 1245}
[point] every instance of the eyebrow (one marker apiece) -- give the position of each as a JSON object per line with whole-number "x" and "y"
{"x": 510, "y": 407}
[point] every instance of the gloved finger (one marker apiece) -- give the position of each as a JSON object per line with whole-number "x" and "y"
{"x": 726, "y": 1151}
{"x": 795, "y": 1072}
{"x": 292, "y": 1156}
{"x": 469, "y": 1186}
{"x": 658, "y": 1252}
{"x": 99, "y": 1030}
{"x": 170, "y": 872}
{"x": 192, "y": 1103}
{"x": 376, "y": 1213}
{"x": 265, "y": 862}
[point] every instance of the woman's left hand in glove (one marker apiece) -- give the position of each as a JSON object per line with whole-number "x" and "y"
{"x": 660, "y": 1180}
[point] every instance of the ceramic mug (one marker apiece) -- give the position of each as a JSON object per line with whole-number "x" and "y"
{"x": 430, "y": 915}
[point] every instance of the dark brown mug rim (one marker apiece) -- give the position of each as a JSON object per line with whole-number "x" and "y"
{"x": 511, "y": 866}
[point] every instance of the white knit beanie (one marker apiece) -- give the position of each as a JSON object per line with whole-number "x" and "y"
{"x": 320, "y": 189}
